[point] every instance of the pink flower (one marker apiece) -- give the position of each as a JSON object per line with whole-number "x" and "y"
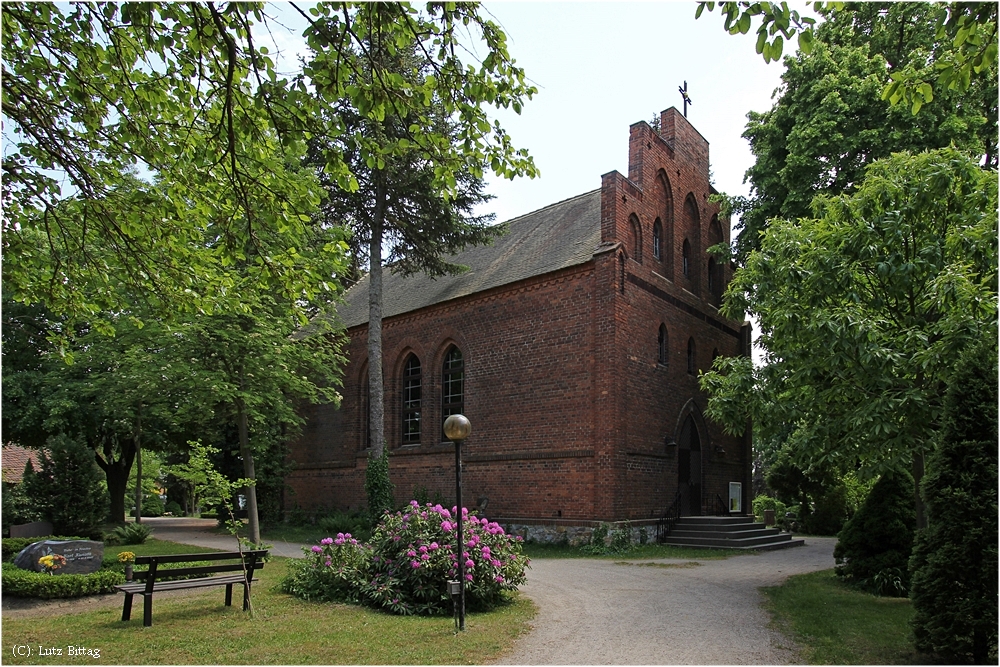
{"x": 434, "y": 545}
{"x": 468, "y": 577}
{"x": 446, "y": 526}
{"x": 425, "y": 556}
{"x": 415, "y": 564}
{"x": 486, "y": 552}
{"x": 317, "y": 549}
{"x": 498, "y": 579}
{"x": 469, "y": 563}
{"x": 414, "y": 503}
{"x": 423, "y": 548}
{"x": 326, "y": 540}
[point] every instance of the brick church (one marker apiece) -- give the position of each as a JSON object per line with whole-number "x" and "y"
{"x": 573, "y": 345}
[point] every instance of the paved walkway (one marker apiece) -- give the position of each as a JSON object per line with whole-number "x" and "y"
{"x": 202, "y": 533}
{"x": 667, "y": 612}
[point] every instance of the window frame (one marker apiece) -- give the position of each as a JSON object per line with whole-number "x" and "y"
{"x": 452, "y": 407}
{"x": 410, "y": 413}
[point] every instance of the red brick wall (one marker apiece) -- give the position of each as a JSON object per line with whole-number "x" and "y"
{"x": 569, "y": 406}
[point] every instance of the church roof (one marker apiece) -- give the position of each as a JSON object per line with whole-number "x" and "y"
{"x": 556, "y": 237}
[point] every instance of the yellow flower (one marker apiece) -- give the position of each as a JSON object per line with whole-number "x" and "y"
{"x": 52, "y": 562}
{"x": 126, "y": 557}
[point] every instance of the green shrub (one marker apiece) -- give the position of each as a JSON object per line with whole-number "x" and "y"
{"x": 69, "y": 490}
{"x": 27, "y": 584}
{"x": 761, "y": 503}
{"x": 411, "y": 556}
{"x": 378, "y": 487}
{"x": 829, "y": 511}
{"x": 954, "y": 564}
{"x": 878, "y": 539}
{"x": 132, "y": 533}
{"x": 357, "y": 524}
{"x": 174, "y": 508}
{"x": 334, "y": 571}
{"x": 13, "y": 545}
{"x": 151, "y": 506}
{"x": 620, "y": 541}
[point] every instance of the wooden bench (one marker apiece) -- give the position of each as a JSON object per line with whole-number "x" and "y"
{"x": 146, "y": 583}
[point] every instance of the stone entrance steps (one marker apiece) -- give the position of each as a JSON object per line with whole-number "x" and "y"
{"x": 728, "y": 532}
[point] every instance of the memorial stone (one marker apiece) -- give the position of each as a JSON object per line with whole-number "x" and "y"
{"x": 82, "y": 556}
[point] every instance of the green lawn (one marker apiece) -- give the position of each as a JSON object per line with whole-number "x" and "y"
{"x": 198, "y": 629}
{"x": 840, "y": 625}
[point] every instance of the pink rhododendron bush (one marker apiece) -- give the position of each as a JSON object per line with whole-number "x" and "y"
{"x": 405, "y": 567}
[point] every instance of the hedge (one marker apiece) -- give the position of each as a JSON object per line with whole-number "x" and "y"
{"x": 28, "y": 584}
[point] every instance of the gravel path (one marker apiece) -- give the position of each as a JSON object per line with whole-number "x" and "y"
{"x": 598, "y": 612}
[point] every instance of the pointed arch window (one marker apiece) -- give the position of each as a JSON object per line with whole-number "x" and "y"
{"x": 686, "y": 258}
{"x": 711, "y": 276}
{"x": 661, "y": 345}
{"x": 657, "y": 240}
{"x": 452, "y": 385}
{"x": 411, "y": 400}
{"x": 636, "y": 233}
{"x": 692, "y": 368}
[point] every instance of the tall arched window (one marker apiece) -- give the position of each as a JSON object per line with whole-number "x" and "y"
{"x": 692, "y": 368}
{"x": 452, "y": 385}
{"x": 661, "y": 345}
{"x": 711, "y": 275}
{"x": 686, "y": 258}
{"x": 636, "y": 232}
{"x": 657, "y": 239}
{"x": 411, "y": 400}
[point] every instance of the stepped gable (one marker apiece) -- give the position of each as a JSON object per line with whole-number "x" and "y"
{"x": 556, "y": 237}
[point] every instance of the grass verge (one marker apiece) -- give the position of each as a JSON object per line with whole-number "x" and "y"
{"x": 840, "y": 625}
{"x": 197, "y": 629}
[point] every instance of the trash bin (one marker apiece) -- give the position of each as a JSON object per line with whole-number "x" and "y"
{"x": 768, "y": 517}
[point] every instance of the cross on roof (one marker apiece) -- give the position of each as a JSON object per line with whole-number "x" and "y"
{"x": 684, "y": 94}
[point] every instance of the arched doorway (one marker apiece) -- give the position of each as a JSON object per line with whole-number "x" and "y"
{"x": 689, "y": 468}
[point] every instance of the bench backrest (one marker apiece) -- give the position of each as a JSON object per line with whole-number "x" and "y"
{"x": 247, "y": 561}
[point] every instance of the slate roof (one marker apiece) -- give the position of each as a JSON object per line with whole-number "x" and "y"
{"x": 556, "y": 237}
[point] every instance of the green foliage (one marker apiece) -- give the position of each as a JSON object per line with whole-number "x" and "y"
{"x": 335, "y": 571}
{"x": 378, "y": 487}
{"x": 829, "y": 511}
{"x": 619, "y": 542}
{"x": 829, "y": 121}
{"x": 863, "y": 312}
{"x": 357, "y": 524}
{"x": 193, "y": 97}
{"x": 761, "y": 503}
{"x": 27, "y": 584}
{"x": 132, "y": 533}
{"x": 411, "y": 556}
{"x": 874, "y": 547}
{"x": 965, "y": 43}
{"x": 954, "y": 565}
{"x": 151, "y": 505}
{"x": 68, "y": 490}
{"x": 17, "y": 508}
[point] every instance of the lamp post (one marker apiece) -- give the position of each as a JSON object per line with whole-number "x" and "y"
{"x": 457, "y": 428}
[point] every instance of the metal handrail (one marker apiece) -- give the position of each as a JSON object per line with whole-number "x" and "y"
{"x": 720, "y": 509}
{"x": 668, "y": 519}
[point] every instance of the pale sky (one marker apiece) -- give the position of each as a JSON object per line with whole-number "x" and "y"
{"x": 602, "y": 66}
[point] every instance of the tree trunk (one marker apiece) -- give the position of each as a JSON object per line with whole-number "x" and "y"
{"x": 376, "y": 390}
{"x": 248, "y": 472}
{"x": 138, "y": 467}
{"x": 116, "y": 473}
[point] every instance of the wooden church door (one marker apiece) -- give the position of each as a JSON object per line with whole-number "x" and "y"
{"x": 689, "y": 469}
